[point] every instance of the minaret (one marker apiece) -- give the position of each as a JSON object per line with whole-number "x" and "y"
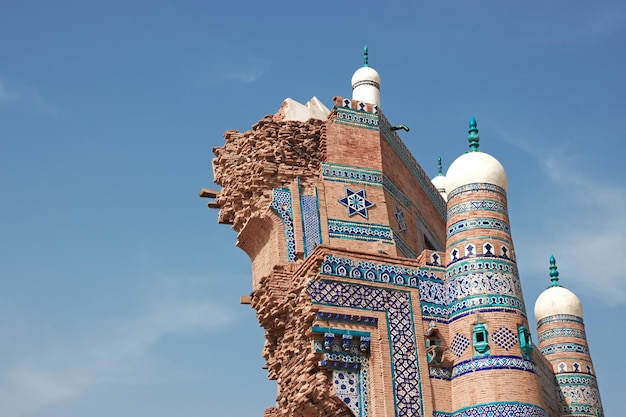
{"x": 440, "y": 180}
{"x": 493, "y": 372}
{"x": 563, "y": 342}
{"x": 366, "y": 83}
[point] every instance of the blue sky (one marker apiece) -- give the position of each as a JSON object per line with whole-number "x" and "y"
{"x": 118, "y": 289}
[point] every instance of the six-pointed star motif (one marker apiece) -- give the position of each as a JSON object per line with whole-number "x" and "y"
{"x": 356, "y": 202}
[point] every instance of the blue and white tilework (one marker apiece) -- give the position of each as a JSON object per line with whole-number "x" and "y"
{"x": 504, "y": 337}
{"x": 485, "y": 205}
{"x": 477, "y": 223}
{"x": 356, "y": 202}
{"x": 478, "y": 283}
{"x": 346, "y": 385}
{"x": 310, "y": 222}
{"x": 403, "y": 346}
{"x": 399, "y": 215}
{"x": 493, "y": 362}
{"x": 347, "y": 116}
{"x": 440, "y": 373}
{"x": 564, "y": 347}
{"x": 562, "y": 332}
{"x": 281, "y": 204}
{"x": 560, "y": 317}
{"x": 476, "y": 187}
{"x": 343, "y": 229}
{"x": 499, "y": 409}
{"x": 459, "y": 344}
{"x": 351, "y": 174}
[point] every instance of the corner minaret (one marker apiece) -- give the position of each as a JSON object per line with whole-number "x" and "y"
{"x": 366, "y": 83}
{"x": 563, "y": 342}
{"x": 489, "y": 338}
{"x": 440, "y": 180}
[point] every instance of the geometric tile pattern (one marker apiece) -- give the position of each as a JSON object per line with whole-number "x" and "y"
{"x": 482, "y": 303}
{"x": 346, "y": 384}
{"x": 368, "y": 321}
{"x": 564, "y": 347}
{"x": 582, "y": 409}
{"x": 403, "y": 345}
{"x": 504, "y": 338}
{"x": 440, "y": 373}
{"x": 475, "y": 187}
{"x": 351, "y": 117}
{"x": 477, "y": 223}
{"x": 486, "y": 205}
{"x": 281, "y": 204}
{"x": 459, "y": 344}
{"x": 482, "y": 265}
{"x": 351, "y": 174}
{"x": 493, "y": 362}
{"x": 562, "y": 332}
{"x": 310, "y": 222}
{"x": 477, "y": 283}
{"x": 342, "y": 229}
{"x": 500, "y": 409}
{"x": 356, "y": 202}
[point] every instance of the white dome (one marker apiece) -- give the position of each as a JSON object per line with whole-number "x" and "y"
{"x": 475, "y": 167}
{"x": 557, "y": 300}
{"x": 440, "y": 184}
{"x": 367, "y": 76}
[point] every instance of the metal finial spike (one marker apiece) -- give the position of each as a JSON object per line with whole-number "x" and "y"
{"x": 365, "y": 57}
{"x": 473, "y": 137}
{"x": 554, "y": 274}
{"x": 439, "y": 168}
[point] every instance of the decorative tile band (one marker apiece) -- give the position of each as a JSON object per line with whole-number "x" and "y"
{"x": 346, "y": 116}
{"x": 414, "y": 168}
{"x": 436, "y": 312}
{"x": 402, "y": 337}
{"x": 281, "y": 204}
{"x": 351, "y": 174}
{"x": 577, "y": 379}
{"x": 577, "y": 394}
{"x": 564, "y": 347}
{"x": 482, "y": 223}
{"x": 486, "y": 205}
{"x": 368, "y": 321}
{"x": 440, "y": 373}
{"x": 393, "y": 189}
{"x": 485, "y": 303}
{"x": 373, "y": 271}
{"x": 562, "y": 332}
{"x": 493, "y": 362}
{"x": 481, "y": 264}
{"x": 342, "y": 229}
{"x": 309, "y": 208}
{"x": 582, "y": 410}
{"x": 501, "y": 409}
{"x": 480, "y": 283}
{"x": 560, "y": 318}
{"x": 472, "y": 188}
{"x": 432, "y": 291}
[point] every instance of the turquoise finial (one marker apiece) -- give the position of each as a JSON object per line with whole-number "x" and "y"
{"x": 439, "y": 168}
{"x": 554, "y": 274}
{"x": 365, "y": 64}
{"x": 473, "y": 137}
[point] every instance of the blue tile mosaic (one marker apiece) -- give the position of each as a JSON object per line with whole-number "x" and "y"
{"x": 504, "y": 337}
{"x": 347, "y": 116}
{"x": 459, "y": 344}
{"x": 477, "y": 223}
{"x": 402, "y": 337}
{"x": 577, "y": 379}
{"x": 440, "y": 373}
{"x": 356, "y": 202}
{"x": 476, "y": 187}
{"x": 501, "y": 409}
{"x": 493, "y": 362}
{"x": 562, "y": 332}
{"x": 483, "y": 265}
{"x": 336, "y": 317}
{"x": 399, "y": 215}
{"x": 351, "y": 175}
{"x": 281, "y": 204}
{"x": 486, "y": 205}
{"x": 486, "y": 303}
{"x": 310, "y": 222}
{"x": 564, "y": 347}
{"x": 479, "y": 283}
{"x": 342, "y": 229}
{"x": 582, "y": 410}
{"x": 346, "y": 385}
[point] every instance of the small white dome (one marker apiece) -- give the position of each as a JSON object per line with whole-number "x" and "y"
{"x": 440, "y": 184}
{"x": 557, "y": 300}
{"x": 367, "y": 76}
{"x": 475, "y": 167}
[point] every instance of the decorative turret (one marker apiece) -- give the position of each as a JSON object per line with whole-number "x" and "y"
{"x": 563, "y": 342}
{"x": 440, "y": 180}
{"x": 488, "y": 327}
{"x": 366, "y": 83}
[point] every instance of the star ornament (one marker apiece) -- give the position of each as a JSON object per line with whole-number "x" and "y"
{"x": 356, "y": 202}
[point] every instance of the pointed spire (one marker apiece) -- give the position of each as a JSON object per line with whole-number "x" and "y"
{"x": 365, "y": 57}
{"x": 439, "y": 168}
{"x": 473, "y": 137}
{"x": 554, "y": 274}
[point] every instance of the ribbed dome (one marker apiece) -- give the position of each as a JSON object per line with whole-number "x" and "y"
{"x": 557, "y": 299}
{"x": 475, "y": 166}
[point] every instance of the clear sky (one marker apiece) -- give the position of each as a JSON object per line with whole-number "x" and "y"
{"x": 119, "y": 292}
